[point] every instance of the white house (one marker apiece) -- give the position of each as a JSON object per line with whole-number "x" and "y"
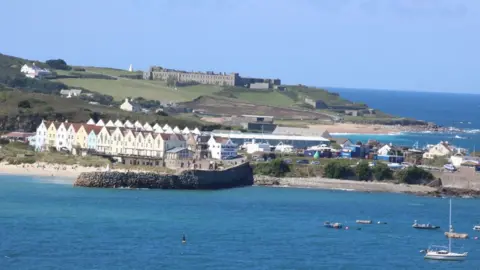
{"x": 130, "y": 106}
{"x": 61, "y": 136}
{"x": 138, "y": 125}
{"x": 100, "y": 123}
{"x": 110, "y": 124}
{"x": 222, "y": 148}
{"x": 147, "y": 127}
{"x": 34, "y": 71}
{"x": 41, "y": 137}
{"x": 196, "y": 131}
{"x": 176, "y": 130}
{"x": 166, "y": 127}
{"x": 156, "y": 126}
{"x": 118, "y": 123}
{"x": 168, "y": 130}
{"x": 443, "y": 149}
{"x": 91, "y": 122}
{"x": 68, "y": 93}
{"x": 128, "y": 124}
{"x": 384, "y": 150}
{"x": 186, "y": 130}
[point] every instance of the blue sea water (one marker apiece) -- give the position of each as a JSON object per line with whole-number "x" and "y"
{"x": 445, "y": 109}
{"x": 52, "y": 225}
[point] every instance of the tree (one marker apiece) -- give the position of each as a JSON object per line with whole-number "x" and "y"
{"x": 382, "y": 172}
{"x": 336, "y": 170}
{"x": 25, "y": 104}
{"x": 58, "y": 64}
{"x": 276, "y": 167}
{"x": 363, "y": 171}
{"x": 414, "y": 175}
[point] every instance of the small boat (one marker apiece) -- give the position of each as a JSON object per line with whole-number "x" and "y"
{"x": 335, "y": 225}
{"x": 455, "y": 235}
{"x": 359, "y": 221}
{"x": 381, "y": 222}
{"x": 445, "y": 253}
{"x": 427, "y": 226}
{"x": 184, "y": 239}
{"x": 476, "y": 228}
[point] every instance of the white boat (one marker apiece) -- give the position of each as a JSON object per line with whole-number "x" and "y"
{"x": 284, "y": 148}
{"x": 445, "y": 253}
{"x": 476, "y": 228}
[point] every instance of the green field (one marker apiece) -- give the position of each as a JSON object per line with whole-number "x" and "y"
{"x": 266, "y": 98}
{"x": 111, "y": 71}
{"x": 122, "y": 88}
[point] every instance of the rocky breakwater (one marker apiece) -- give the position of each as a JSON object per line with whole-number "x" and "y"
{"x": 238, "y": 176}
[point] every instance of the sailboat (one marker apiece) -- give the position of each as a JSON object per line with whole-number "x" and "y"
{"x": 445, "y": 253}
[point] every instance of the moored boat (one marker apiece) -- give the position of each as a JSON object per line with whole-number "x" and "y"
{"x": 334, "y": 225}
{"x": 427, "y": 226}
{"x": 445, "y": 253}
{"x": 476, "y": 228}
{"x": 359, "y": 221}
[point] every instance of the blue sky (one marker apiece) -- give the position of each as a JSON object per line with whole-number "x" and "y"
{"x": 428, "y": 45}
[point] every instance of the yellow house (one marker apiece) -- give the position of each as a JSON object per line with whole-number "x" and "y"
{"x": 51, "y": 134}
{"x": 81, "y": 137}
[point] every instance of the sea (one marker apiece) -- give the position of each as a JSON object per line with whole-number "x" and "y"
{"x": 47, "y": 223}
{"x": 456, "y": 110}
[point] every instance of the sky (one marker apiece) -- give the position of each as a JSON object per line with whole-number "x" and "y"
{"x": 420, "y": 45}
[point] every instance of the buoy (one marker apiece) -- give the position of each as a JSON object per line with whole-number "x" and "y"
{"x": 476, "y": 238}
{"x": 346, "y": 228}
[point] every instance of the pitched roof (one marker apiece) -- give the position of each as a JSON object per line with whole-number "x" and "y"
{"x": 94, "y": 128}
{"x": 76, "y": 126}
{"x": 168, "y": 137}
{"x": 221, "y": 140}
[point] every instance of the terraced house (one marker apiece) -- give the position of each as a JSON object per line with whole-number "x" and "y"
{"x": 114, "y": 138}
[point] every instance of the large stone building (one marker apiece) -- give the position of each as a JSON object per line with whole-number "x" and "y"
{"x": 222, "y": 78}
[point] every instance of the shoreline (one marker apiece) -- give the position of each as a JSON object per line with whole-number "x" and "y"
{"x": 345, "y": 185}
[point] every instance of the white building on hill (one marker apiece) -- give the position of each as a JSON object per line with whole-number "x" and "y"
{"x": 34, "y": 71}
{"x": 130, "y": 106}
{"x": 222, "y": 148}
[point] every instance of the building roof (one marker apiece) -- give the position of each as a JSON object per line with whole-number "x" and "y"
{"x": 300, "y": 131}
{"x": 221, "y": 140}
{"x": 76, "y": 126}
{"x": 168, "y": 137}
{"x": 279, "y": 137}
{"x": 341, "y": 140}
{"x": 176, "y": 149}
{"x": 94, "y": 128}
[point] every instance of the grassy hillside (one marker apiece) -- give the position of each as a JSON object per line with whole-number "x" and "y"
{"x": 22, "y": 110}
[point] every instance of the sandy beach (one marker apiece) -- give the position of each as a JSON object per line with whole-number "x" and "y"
{"x": 44, "y": 169}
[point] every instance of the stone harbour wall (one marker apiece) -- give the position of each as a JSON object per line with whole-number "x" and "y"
{"x": 238, "y": 176}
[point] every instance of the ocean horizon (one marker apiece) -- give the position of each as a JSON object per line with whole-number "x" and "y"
{"x": 456, "y": 110}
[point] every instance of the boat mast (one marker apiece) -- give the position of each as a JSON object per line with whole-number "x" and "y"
{"x": 451, "y": 229}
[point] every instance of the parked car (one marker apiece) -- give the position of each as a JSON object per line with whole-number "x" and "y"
{"x": 315, "y": 162}
{"x": 302, "y": 161}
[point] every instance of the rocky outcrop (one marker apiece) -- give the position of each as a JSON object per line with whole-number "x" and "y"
{"x": 454, "y": 192}
{"x": 241, "y": 175}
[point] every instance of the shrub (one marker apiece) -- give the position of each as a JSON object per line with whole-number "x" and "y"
{"x": 382, "y": 172}
{"x": 337, "y": 170}
{"x": 24, "y": 104}
{"x": 414, "y": 175}
{"x": 58, "y": 64}
{"x": 276, "y": 167}
{"x": 363, "y": 171}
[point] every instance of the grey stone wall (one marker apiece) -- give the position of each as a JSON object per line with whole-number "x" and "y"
{"x": 241, "y": 175}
